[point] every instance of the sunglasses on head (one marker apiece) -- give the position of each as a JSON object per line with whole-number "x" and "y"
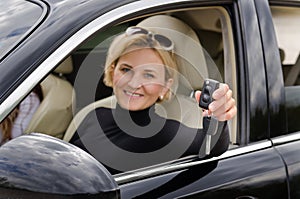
{"x": 164, "y": 41}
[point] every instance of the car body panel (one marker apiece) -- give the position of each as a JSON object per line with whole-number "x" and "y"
{"x": 255, "y": 83}
{"x": 276, "y": 98}
{"x": 291, "y": 159}
{"x": 250, "y": 174}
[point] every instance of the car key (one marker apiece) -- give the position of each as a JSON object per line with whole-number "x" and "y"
{"x": 210, "y": 124}
{"x": 209, "y": 86}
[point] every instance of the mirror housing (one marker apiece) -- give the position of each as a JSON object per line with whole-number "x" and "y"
{"x": 41, "y": 164}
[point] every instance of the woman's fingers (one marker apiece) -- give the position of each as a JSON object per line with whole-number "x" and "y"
{"x": 223, "y": 107}
{"x": 220, "y": 92}
{"x": 226, "y": 112}
{"x": 197, "y": 95}
{"x": 221, "y": 99}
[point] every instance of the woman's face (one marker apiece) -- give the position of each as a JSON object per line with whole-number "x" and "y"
{"x": 139, "y": 79}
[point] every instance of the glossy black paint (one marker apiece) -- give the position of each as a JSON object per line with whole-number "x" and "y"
{"x": 259, "y": 174}
{"x": 276, "y": 95}
{"x": 254, "y": 67}
{"x": 290, "y": 152}
{"x": 41, "y": 163}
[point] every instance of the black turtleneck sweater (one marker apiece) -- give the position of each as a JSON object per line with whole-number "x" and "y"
{"x": 124, "y": 140}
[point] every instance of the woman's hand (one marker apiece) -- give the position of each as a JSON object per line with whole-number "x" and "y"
{"x": 223, "y": 107}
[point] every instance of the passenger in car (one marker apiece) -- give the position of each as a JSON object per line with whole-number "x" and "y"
{"x": 141, "y": 68}
{"x": 17, "y": 121}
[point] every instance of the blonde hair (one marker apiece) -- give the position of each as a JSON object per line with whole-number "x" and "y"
{"x": 122, "y": 44}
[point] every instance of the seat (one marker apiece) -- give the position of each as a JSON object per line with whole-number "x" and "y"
{"x": 191, "y": 66}
{"x": 293, "y": 74}
{"x": 212, "y": 41}
{"x": 55, "y": 111}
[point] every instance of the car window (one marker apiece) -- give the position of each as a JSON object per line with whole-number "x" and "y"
{"x": 216, "y": 41}
{"x": 210, "y": 54}
{"x": 214, "y": 36}
{"x": 287, "y": 26}
{"x": 17, "y": 17}
{"x": 81, "y": 88}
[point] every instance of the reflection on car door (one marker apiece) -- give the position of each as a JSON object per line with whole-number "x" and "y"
{"x": 291, "y": 155}
{"x": 257, "y": 174}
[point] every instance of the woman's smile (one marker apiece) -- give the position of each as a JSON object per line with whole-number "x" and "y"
{"x": 132, "y": 94}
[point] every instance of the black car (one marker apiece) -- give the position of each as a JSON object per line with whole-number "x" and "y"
{"x": 252, "y": 45}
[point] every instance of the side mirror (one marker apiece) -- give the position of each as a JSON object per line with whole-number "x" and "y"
{"x": 40, "y": 165}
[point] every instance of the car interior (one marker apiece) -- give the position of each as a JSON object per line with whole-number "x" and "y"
{"x": 208, "y": 60}
{"x": 188, "y": 112}
{"x": 55, "y": 111}
{"x": 286, "y": 21}
{"x": 288, "y": 48}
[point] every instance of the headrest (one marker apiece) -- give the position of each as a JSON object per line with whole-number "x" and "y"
{"x": 191, "y": 63}
{"x": 212, "y": 41}
{"x": 65, "y": 67}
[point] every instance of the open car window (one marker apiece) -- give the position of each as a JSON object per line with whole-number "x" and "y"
{"x": 217, "y": 62}
{"x": 286, "y": 22}
{"x": 75, "y": 88}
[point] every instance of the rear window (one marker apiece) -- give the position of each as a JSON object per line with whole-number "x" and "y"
{"x": 17, "y": 18}
{"x": 287, "y": 26}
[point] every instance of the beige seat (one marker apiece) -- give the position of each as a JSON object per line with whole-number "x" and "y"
{"x": 55, "y": 111}
{"x": 191, "y": 60}
{"x": 192, "y": 71}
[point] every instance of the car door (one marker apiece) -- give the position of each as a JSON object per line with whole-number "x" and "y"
{"x": 286, "y": 22}
{"x": 252, "y": 168}
{"x": 254, "y": 171}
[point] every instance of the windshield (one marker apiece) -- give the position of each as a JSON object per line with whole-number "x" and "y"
{"x": 17, "y": 17}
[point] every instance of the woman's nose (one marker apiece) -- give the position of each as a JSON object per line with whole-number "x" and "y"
{"x": 135, "y": 81}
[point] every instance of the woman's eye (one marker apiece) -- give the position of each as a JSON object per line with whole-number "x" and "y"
{"x": 149, "y": 75}
{"x": 125, "y": 70}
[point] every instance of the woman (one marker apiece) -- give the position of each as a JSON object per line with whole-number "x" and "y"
{"x": 141, "y": 68}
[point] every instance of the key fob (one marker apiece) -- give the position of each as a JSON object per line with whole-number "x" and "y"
{"x": 208, "y": 88}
